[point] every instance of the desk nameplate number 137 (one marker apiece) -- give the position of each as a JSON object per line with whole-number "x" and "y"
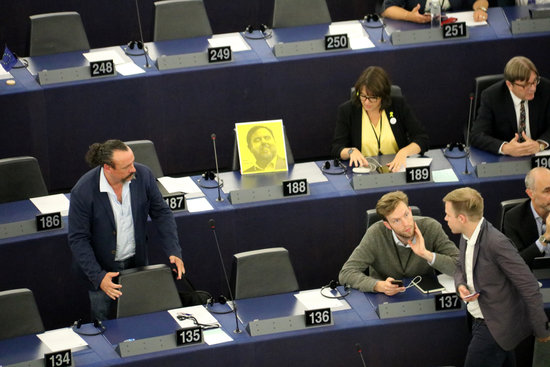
{"x": 62, "y": 358}
{"x": 102, "y": 68}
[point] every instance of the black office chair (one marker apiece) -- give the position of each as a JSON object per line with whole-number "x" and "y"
{"x": 57, "y": 32}
{"x": 176, "y": 19}
{"x": 236, "y": 164}
{"x": 19, "y": 314}
{"x": 145, "y": 153}
{"x": 373, "y": 217}
{"x": 294, "y": 13}
{"x": 394, "y": 92}
{"x": 147, "y": 289}
{"x": 480, "y": 84}
{"x": 505, "y": 206}
{"x": 20, "y": 179}
{"x": 262, "y": 273}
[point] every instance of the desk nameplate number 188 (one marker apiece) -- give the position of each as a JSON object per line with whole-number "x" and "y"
{"x": 219, "y": 54}
{"x": 102, "y": 68}
{"x": 447, "y": 301}
{"x": 321, "y": 316}
{"x": 295, "y": 187}
{"x": 45, "y": 222}
{"x": 62, "y": 358}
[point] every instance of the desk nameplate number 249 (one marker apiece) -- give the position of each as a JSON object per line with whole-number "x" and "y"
{"x": 219, "y": 54}
{"x": 62, "y": 358}
{"x": 102, "y": 68}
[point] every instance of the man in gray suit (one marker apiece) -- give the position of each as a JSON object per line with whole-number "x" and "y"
{"x": 501, "y": 293}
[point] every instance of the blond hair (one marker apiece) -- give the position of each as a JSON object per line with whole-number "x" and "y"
{"x": 466, "y": 201}
{"x": 388, "y": 202}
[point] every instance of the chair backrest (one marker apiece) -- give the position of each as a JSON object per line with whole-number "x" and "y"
{"x": 505, "y": 206}
{"x": 236, "y": 164}
{"x": 147, "y": 289}
{"x": 53, "y": 33}
{"x": 145, "y": 153}
{"x": 480, "y": 84}
{"x": 394, "y": 92}
{"x": 19, "y": 314}
{"x": 294, "y": 13}
{"x": 373, "y": 217}
{"x": 262, "y": 272}
{"x": 20, "y": 179}
{"x": 176, "y": 19}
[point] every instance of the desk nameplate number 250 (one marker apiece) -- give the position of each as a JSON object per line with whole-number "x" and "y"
{"x": 336, "y": 42}
{"x": 447, "y": 301}
{"x": 45, "y": 222}
{"x": 295, "y": 187}
{"x": 321, "y": 316}
{"x": 102, "y": 68}
{"x": 219, "y": 54}
{"x": 62, "y": 358}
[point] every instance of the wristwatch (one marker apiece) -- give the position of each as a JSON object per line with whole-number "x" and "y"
{"x": 482, "y": 8}
{"x": 542, "y": 146}
{"x": 350, "y": 150}
{"x": 543, "y": 240}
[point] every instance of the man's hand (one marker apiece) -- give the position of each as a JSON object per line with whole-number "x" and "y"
{"x": 480, "y": 15}
{"x": 385, "y": 286}
{"x": 516, "y": 149}
{"x": 416, "y": 17}
{"x": 180, "y": 269}
{"x": 111, "y": 289}
{"x": 464, "y": 292}
{"x": 419, "y": 247}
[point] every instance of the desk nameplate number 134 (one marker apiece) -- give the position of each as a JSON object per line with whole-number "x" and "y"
{"x": 102, "y": 68}
{"x": 62, "y": 358}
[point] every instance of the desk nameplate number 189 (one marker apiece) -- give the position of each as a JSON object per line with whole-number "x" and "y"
{"x": 45, "y": 222}
{"x": 62, "y": 358}
{"x": 102, "y": 68}
{"x": 447, "y": 301}
{"x": 321, "y": 316}
{"x": 417, "y": 174}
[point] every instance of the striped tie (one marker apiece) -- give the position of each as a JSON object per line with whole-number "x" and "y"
{"x": 521, "y": 121}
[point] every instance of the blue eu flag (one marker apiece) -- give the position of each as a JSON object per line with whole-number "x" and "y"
{"x": 8, "y": 59}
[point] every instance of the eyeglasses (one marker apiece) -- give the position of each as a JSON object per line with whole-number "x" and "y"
{"x": 532, "y": 84}
{"x": 371, "y": 99}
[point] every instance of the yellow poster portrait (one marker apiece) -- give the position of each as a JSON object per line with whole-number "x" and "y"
{"x": 261, "y": 146}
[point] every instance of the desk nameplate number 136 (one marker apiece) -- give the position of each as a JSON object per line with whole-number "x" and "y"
{"x": 321, "y": 316}
{"x": 62, "y": 358}
{"x": 102, "y": 68}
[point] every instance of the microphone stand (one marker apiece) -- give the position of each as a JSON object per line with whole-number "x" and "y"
{"x": 213, "y": 136}
{"x": 141, "y": 36}
{"x": 383, "y": 28}
{"x": 212, "y": 225}
{"x": 358, "y": 346}
{"x": 467, "y": 147}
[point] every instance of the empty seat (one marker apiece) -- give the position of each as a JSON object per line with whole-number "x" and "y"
{"x": 57, "y": 32}
{"x": 19, "y": 314}
{"x": 294, "y": 13}
{"x": 20, "y": 179}
{"x": 145, "y": 153}
{"x": 176, "y": 19}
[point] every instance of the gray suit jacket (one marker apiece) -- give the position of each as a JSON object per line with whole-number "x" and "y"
{"x": 509, "y": 298}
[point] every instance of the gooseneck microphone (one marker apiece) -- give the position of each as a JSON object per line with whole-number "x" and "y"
{"x": 141, "y": 36}
{"x": 467, "y": 147}
{"x": 212, "y": 225}
{"x": 213, "y": 136}
{"x": 360, "y": 351}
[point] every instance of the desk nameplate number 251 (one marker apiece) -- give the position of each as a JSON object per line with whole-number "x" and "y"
{"x": 45, "y": 222}
{"x": 455, "y": 30}
{"x": 102, "y": 68}
{"x": 321, "y": 316}
{"x": 62, "y": 358}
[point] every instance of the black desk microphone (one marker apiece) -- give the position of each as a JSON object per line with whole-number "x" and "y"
{"x": 212, "y": 225}
{"x": 467, "y": 147}
{"x": 213, "y": 136}
{"x": 360, "y": 351}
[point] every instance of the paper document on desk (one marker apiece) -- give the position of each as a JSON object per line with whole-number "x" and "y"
{"x": 358, "y": 38}
{"x": 198, "y": 205}
{"x": 466, "y": 16}
{"x": 52, "y": 204}
{"x": 444, "y": 175}
{"x": 313, "y": 299}
{"x": 448, "y": 282}
{"x": 181, "y": 184}
{"x": 201, "y": 314}
{"x": 62, "y": 339}
{"x": 4, "y": 74}
{"x": 123, "y": 63}
{"x": 233, "y": 40}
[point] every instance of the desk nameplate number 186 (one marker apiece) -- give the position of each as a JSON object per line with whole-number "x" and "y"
{"x": 45, "y": 222}
{"x": 62, "y": 358}
{"x": 102, "y": 68}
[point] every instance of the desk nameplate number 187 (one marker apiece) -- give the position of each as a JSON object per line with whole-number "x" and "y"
{"x": 62, "y": 358}
{"x": 45, "y": 222}
{"x": 102, "y": 68}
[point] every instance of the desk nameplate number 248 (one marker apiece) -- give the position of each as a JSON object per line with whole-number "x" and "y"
{"x": 102, "y": 68}
{"x": 62, "y": 358}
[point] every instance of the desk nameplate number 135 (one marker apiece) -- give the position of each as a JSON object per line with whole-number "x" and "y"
{"x": 62, "y": 358}
{"x": 102, "y": 68}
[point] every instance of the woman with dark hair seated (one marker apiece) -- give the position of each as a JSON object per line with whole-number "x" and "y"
{"x": 373, "y": 123}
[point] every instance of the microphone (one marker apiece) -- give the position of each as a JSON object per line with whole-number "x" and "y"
{"x": 383, "y": 28}
{"x": 467, "y": 147}
{"x": 141, "y": 36}
{"x": 358, "y": 347}
{"x": 213, "y": 136}
{"x": 212, "y": 225}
